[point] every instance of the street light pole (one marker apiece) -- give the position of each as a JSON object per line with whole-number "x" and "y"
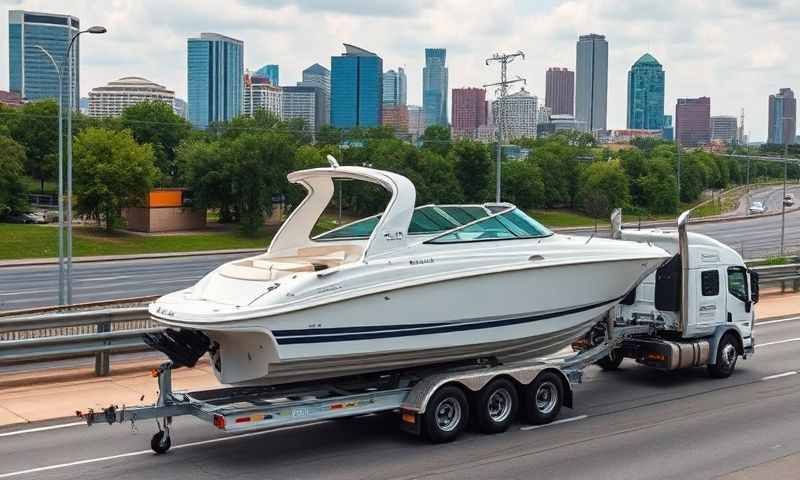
{"x": 61, "y": 292}
{"x": 94, "y": 30}
{"x": 783, "y": 200}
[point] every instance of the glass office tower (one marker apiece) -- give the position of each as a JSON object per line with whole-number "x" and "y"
{"x": 434, "y": 87}
{"x": 646, "y": 94}
{"x": 215, "y": 79}
{"x": 356, "y": 89}
{"x": 31, "y": 75}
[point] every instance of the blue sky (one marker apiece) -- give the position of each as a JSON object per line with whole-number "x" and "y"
{"x": 735, "y": 51}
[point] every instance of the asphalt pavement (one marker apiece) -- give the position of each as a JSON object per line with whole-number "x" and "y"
{"x": 633, "y": 423}
{"x": 34, "y": 286}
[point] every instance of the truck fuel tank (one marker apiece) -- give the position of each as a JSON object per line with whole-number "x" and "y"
{"x": 667, "y": 354}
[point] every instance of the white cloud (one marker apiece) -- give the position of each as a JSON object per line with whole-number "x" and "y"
{"x": 735, "y": 51}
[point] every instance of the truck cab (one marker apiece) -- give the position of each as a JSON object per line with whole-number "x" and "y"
{"x": 700, "y": 302}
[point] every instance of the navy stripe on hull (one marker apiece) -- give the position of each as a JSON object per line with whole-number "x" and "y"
{"x": 368, "y": 333}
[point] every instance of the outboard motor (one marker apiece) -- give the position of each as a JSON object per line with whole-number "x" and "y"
{"x": 183, "y": 347}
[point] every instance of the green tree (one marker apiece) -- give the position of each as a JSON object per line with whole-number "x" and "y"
{"x": 437, "y": 139}
{"x": 659, "y": 187}
{"x": 441, "y": 183}
{"x": 35, "y": 127}
{"x": 208, "y": 170}
{"x": 157, "y": 124}
{"x": 523, "y": 184}
{"x": 12, "y": 188}
{"x": 604, "y": 183}
{"x": 329, "y": 135}
{"x": 112, "y": 171}
{"x": 473, "y": 168}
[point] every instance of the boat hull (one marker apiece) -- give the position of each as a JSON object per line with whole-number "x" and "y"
{"x": 506, "y": 316}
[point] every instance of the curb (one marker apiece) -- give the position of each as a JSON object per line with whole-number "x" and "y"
{"x": 110, "y": 258}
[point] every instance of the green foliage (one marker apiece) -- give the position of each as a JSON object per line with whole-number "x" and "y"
{"x": 558, "y": 161}
{"x": 207, "y": 169}
{"x": 440, "y": 183}
{"x": 12, "y": 187}
{"x": 157, "y": 124}
{"x": 473, "y": 168}
{"x": 437, "y": 139}
{"x": 112, "y": 171}
{"x": 329, "y": 135}
{"x": 604, "y": 186}
{"x": 35, "y": 127}
{"x": 658, "y": 189}
{"x": 523, "y": 184}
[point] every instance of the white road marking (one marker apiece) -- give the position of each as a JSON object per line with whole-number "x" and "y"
{"x": 557, "y": 422}
{"x": 776, "y": 342}
{"x": 780, "y": 375}
{"x": 770, "y": 322}
{"x": 42, "y": 429}
{"x": 144, "y": 452}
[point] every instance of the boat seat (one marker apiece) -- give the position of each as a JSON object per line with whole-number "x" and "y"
{"x": 264, "y": 269}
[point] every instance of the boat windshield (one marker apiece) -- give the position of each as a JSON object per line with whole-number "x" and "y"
{"x": 425, "y": 221}
{"x": 508, "y": 225}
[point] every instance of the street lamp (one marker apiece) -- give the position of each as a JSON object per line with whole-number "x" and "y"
{"x": 60, "y": 178}
{"x": 94, "y": 30}
{"x": 785, "y": 173}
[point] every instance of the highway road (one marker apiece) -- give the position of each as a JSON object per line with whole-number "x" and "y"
{"x": 771, "y": 197}
{"x": 31, "y": 286}
{"x": 629, "y": 424}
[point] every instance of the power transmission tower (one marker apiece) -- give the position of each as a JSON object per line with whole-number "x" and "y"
{"x": 502, "y": 90}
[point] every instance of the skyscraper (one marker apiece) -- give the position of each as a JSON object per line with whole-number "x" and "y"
{"x": 434, "y": 87}
{"x": 394, "y": 87}
{"x": 724, "y": 128}
{"x": 261, "y": 94}
{"x": 320, "y": 77}
{"x": 469, "y": 111}
{"x": 518, "y": 113}
{"x": 270, "y": 72}
{"x": 416, "y": 121}
{"x": 215, "y": 78}
{"x": 782, "y": 126}
{"x": 356, "y": 88}
{"x": 693, "y": 121}
{"x": 591, "y": 82}
{"x": 559, "y": 94}
{"x": 646, "y": 94}
{"x": 30, "y": 73}
{"x": 301, "y": 102}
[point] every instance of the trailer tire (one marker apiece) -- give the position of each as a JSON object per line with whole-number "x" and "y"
{"x": 543, "y": 398}
{"x": 727, "y": 354}
{"x": 612, "y": 361}
{"x": 496, "y": 406}
{"x": 160, "y": 442}
{"x": 447, "y": 414}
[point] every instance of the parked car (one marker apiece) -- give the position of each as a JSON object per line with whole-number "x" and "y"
{"x": 34, "y": 217}
{"x": 757, "y": 207}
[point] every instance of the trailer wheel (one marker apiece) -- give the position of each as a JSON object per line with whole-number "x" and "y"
{"x": 496, "y": 406}
{"x": 612, "y": 361}
{"x": 727, "y": 354}
{"x": 447, "y": 414}
{"x": 160, "y": 442}
{"x": 543, "y": 398}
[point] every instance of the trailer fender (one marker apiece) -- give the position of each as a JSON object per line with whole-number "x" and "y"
{"x": 719, "y": 332}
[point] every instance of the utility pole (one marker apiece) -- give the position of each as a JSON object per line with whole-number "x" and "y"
{"x": 503, "y": 59}
{"x": 783, "y": 200}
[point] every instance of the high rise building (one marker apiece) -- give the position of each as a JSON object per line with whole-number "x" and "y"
{"x": 416, "y": 121}
{"x": 396, "y": 116}
{"x": 116, "y": 96}
{"x": 516, "y": 115}
{"x": 724, "y": 128}
{"x": 301, "y": 102}
{"x": 591, "y": 82}
{"x": 782, "y": 125}
{"x": 179, "y": 105}
{"x": 215, "y": 78}
{"x": 320, "y": 77}
{"x": 559, "y": 94}
{"x": 395, "y": 87}
{"x": 646, "y": 94}
{"x": 271, "y": 73}
{"x": 693, "y": 121}
{"x": 261, "y": 94}
{"x": 30, "y": 73}
{"x": 356, "y": 88}
{"x": 667, "y": 131}
{"x": 434, "y": 87}
{"x": 469, "y": 111}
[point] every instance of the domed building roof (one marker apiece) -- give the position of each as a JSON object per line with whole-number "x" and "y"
{"x": 647, "y": 59}
{"x": 134, "y": 83}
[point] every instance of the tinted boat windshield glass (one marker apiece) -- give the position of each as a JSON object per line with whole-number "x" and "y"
{"x": 425, "y": 221}
{"x": 511, "y": 224}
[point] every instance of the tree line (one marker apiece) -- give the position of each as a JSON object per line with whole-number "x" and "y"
{"x": 238, "y": 167}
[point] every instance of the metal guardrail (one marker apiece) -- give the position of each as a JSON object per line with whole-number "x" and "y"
{"x": 64, "y": 334}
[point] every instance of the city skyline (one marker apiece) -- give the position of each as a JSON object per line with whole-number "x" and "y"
{"x": 695, "y": 52}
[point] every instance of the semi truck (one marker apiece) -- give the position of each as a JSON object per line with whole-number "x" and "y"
{"x": 696, "y": 310}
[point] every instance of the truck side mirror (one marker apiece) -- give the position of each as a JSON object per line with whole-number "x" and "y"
{"x": 753, "y": 286}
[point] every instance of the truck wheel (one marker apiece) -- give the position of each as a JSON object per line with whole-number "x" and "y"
{"x": 727, "y": 354}
{"x": 160, "y": 442}
{"x": 543, "y": 398}
{"x": 496, "y": 406}
{"x": 447, "y": 414}
{"x": 612, "y": 361}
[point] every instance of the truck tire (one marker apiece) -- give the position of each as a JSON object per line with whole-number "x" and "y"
{"x": 727, "y": 354}
{"x": 446, "y": 415}
{"x": 496, "y": 406}
{"x": 543, "y": 398}
{"x": 612, "y": 361}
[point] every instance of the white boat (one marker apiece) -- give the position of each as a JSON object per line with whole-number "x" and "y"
{"x": 409, "y": 287}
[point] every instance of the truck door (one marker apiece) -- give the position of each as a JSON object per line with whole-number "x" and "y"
{"x": 711, "y": 302}
{"x": 739, "y": 307}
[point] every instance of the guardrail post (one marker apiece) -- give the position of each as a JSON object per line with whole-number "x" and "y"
{"x": 102, "y": 360}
